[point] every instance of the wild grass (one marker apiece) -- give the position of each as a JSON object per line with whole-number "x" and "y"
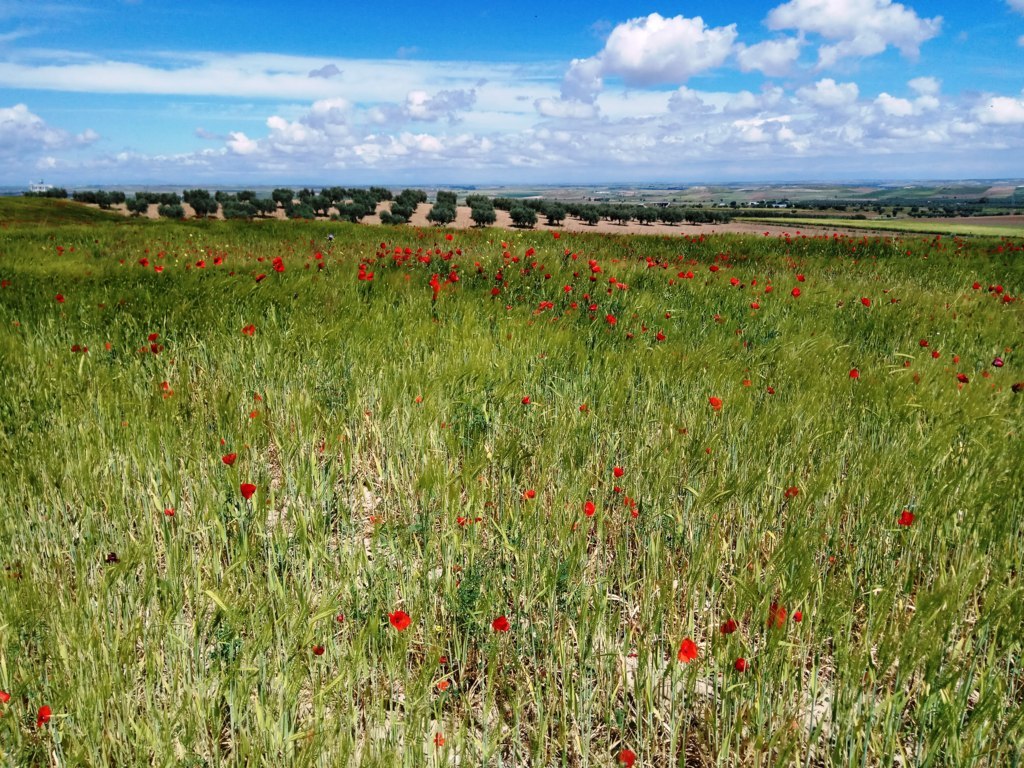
{"x": 392, "y": 451}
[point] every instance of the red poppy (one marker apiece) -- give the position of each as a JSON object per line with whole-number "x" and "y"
{"x": 4, "y": 697}
{"x": 740, "y": 665}
{"x": 866, "y": 302}
{"x": 798, "y": 616}
{"x": 59, "y": 298}
{"x": 923, "y": 343}
{"x": 796, "y": 293}
{"x": 618, "y": 471}
{"x": 687, "y": 651}
{"x": 854, "y": 373}
{"x": 611, "y": 319}
{"x": 443, "y": 685}
{"x": 526, "y": 400}
{"x": 247, "y": 489}
{"x": 438, "y": 740}
{"x": 716, "y": 403}
{"x": 43, "y": 717}
{"x": 318, "y": 650}
{"x": 627, "y": 757}
{"x": 249, "y": 330}
{"x": 169, "y": 512}
{"x": 962, "y": 378}
{"x": 792, "y": 492}
{"x": 400, "y": 620}
{"x": 728, "y": 627}
{"x": 660, "y": 336}
{"x": 229, "y": 459}
{"x": 906, "y": 518}
{"x": 800, "y": 278}
{"x": 777, "y": 616}
{"x": 529, "y": 493}
{"x": 500, "y": 624}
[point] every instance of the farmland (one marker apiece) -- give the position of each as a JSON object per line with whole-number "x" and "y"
{"x": 317, "y": 493}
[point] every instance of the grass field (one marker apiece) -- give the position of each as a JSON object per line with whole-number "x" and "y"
{"x": 273, "y": 498}
{"x": 909, "y": 226}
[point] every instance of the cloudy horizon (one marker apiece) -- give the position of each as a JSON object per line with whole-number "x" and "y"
{"x": 804, "y": 90}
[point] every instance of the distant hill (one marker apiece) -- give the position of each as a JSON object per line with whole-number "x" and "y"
{"x": 17, "y": 211}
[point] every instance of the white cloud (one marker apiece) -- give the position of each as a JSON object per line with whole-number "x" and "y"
{"x": 1001, "y": 110}
{"x": 565, "y": 109}
{"x": 893, "y": 106}
{"x": 241, "y": 144}
{"x": 24, "y": 133}
{"x": 1020, "y": 41}
{"x": 1017, "y": 5}
{"x": 829, "y": 94}
{"x": 926, "y": 86}
{"x": 859, "y": 27}
{"x": 652, "y": 50}
{"x": 774, "y": 58}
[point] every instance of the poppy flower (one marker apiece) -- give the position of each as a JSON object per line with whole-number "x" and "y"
{"x": 526, "y": 400}
{"x": 627, "y": 758}
{"x": 796, "y": 293}
{"x": 740, "y": 665}
{"x": 43, "y": 716}
{"x": 660, "y": 336}
{"x": 728, "y": 627}
{"x": 318, "y": 650}
{"x": 229, "y": 459}
{"x": 4, "y": 697}
{"x": 589, "y": 509}
{"x": 906, "y": 518}
{"x": 792, "y": 492}
{"x": 59, "y": 298}
{"x": 249, "y": 330}
{"x": 798, "y": 616}
{"x": 998, "y": 362}
{"x": 854, "y": 373}
{"x": 400, "y": 620}
{"x": 169, "y": 512}
{"x": 777, "y": 616}
{"x": 618, "y": 471}
{"x": 443, "y": 685}
{"x": 500, "y": 624}
{"x": 529, "y": 493}
{"x": 866, "y": 302}
{"x": 962, "y": 378}
{"x": 716, "y": 403}
{"x": 438, "y": 740}
{"x": 687, "y": 651}
{"x": 247, "y": 489}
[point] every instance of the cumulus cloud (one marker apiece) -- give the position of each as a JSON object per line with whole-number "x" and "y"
{"x": 774, "y": 58}
{"x": 1017, "y": 5}
{"x": 1001, "y": 110}
{"x": 23, "y": 132}
{"x": 651, "y": 50}
{"x": 829, "y": 94}
{"x": 444, "y": 105}
{"x": 893, "y": 106}
{"x": 859, "y": 27}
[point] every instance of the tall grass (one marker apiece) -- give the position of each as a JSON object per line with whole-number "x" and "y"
{"x": 392, "y": 451}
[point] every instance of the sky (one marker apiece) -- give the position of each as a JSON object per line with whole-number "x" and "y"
{"x": 138, "y": 92}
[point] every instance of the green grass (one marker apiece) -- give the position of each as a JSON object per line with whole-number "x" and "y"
{"x": 35, "y": 211}
{"x": 391, "y": 450}
{"x": 912, "y": 226}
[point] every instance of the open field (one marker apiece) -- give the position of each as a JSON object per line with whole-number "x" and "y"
{"x": 964, "y": 227}
{"x": 413, "y": 496}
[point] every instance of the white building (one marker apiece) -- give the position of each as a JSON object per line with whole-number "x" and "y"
{"x": 39, "y": 186}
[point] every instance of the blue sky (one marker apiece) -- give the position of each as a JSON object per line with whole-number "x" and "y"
{"x": 139, "y": 91}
